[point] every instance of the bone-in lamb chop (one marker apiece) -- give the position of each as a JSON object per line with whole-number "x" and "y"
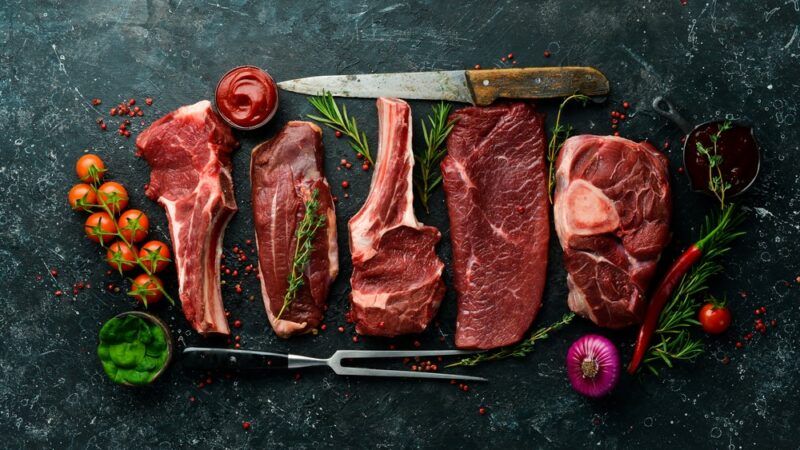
{"x": 286, "y": 172}
{"x": 397, "y": 278}
{"x": 188, "y": 151}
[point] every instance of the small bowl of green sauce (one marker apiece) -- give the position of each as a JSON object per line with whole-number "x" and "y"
{"x": 135, "y": 348}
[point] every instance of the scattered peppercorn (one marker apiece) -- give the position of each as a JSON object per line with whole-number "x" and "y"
{"x": 237, "y": 323}
{"x": 246, "y": 426}
{"x": 546, "y": 53}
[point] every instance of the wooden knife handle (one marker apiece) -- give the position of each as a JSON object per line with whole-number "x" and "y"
{"x": 534, "y": 82}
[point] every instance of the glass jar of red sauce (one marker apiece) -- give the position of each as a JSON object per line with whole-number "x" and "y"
{"x": 246, "y": 97}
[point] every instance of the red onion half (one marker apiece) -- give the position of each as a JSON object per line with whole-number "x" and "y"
{"x": 593, "y": 365}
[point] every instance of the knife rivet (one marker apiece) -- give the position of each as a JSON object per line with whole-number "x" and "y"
{"x": 485, "y": 82}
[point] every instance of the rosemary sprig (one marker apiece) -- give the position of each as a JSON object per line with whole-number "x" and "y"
{"x": 429, "y": 158}
{"x": 673, "y": 339}
{"x": 340, "y": 121}
{"x": 558, "y": 135}
{"x": 518, "y": 350}
{"x": 716, "y": 183}
{"x": 306, "y": 230}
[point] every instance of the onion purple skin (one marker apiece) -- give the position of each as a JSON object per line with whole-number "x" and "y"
{"x": 593, "y": 365}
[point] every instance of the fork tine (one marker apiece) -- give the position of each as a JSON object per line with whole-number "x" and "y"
{"x": 365, "y": 354}
{"x": 365, "y": 372}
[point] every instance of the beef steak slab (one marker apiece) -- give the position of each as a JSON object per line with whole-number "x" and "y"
{"x": 496, "y": 189}
{"x": 285, "y": 171}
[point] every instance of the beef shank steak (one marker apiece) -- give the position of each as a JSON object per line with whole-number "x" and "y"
{"x": 612, "y": 214}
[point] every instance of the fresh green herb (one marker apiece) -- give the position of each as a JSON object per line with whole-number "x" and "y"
{"x": 716, "y": 183}
{"x": 338, "y": 120}
{"x": 673, "y": 340}
{"x": 132, "y": 350}
{"x": 558, "y": 135}
{"x": 518, "y": 350}
{"x": 428, "y": 159}
{"x": 306, "y": 230}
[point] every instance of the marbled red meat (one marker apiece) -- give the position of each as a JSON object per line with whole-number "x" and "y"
{"x": 496, "y": 188}
{"x": 612, "y": 214}
{"x": 188, "y": 151}
{"x": 397, "y": 278}
{"x": 284, "y": 174}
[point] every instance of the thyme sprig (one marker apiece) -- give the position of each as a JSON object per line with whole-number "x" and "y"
{"x": 716, "y": 183}
{"x": 673, "y": 339}
{"x": 558, "y": 135}
{"x": 427, "y": 178}
{"x": 339, "y": 120}
{"x": 312, "y": 220}
{"x": 518, "y": 350}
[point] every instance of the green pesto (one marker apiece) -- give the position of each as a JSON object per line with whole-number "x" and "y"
{"x": 132, "y": 350}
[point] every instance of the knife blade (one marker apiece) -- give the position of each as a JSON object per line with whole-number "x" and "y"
{"x": 479, "y": 87}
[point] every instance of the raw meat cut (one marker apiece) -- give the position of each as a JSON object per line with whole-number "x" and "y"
{"x": 285, "y": 172}
{"x": 397, "y": 278}
{"x": 496, "y": 189}
{"x": 188, "y": 151}
{"x": 612, "y": 213}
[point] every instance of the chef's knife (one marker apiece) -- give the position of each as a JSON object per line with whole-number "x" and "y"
{"x": 479, "y": 87}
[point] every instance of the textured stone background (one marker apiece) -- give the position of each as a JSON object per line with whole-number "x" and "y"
{"x": 712, "y": 58}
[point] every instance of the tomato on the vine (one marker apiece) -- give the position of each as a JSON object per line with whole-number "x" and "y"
{"x": 715, "y": 317}
{"x": 121, "y": 256}
{"x": 113, "y": 195}
{"x": 90, "y": 168}
{"x": 133, "y": 225}
{"x": 155, "y": 256}
{"x": 147, "y": 289}
{"x": 82, "y": 196}
{"x": 100, "y": 227}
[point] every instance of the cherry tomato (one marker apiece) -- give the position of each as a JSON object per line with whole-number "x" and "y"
{"x": 90, "y": 168}
{"x": 147, "y": 289}
{"x": 133, "y": 225}
{"x": 121, "y": 256}
{"x": 81, "y": 196}
{"x": 715, "y": 318}
{"x": 155, "y": 255}
{"x": 100, "y": 227}
{"x": 114, "y": 195}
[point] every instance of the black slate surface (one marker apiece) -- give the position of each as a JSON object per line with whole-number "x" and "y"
{"x": 712, "y": 58}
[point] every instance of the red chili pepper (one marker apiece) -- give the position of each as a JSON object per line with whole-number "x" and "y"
{"x": 673, "y": 277}
{"x": 659, "y": 300}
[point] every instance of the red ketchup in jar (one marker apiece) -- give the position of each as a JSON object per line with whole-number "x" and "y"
{"x": 246, "y": 97}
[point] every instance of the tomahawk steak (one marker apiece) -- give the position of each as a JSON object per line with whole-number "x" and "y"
{"x": 286, "y": 173}
{"x": 496, "y": 190}
{"x": 397, "y": 278}
{"x": 612, "y": 213}
{"x": 188, "y": 151}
